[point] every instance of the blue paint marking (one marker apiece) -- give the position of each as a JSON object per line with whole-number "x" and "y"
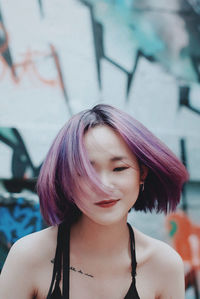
{"x": 19, "y": 220}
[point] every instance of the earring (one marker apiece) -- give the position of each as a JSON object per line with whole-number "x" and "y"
{"x": 142, "y": 186}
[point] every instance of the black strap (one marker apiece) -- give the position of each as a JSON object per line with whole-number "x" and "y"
{"x": 57, "y": 264}
{"x": 63, "y": 251}
{"x": 66, "y": 262}
{"x": 133, "y": 254}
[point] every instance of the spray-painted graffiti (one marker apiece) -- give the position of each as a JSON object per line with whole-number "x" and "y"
{"x": 29, "y": 63}
{"x": 28, "y": 67}
{"x": 144, "y": 52}
{"x": 5, "y": 53}
{"x": 3, "y": 254}
{"x": 4, "y": 42}
{"x": 184, "y": 99}
{"x": 186, "y": 241}
{"x": 18, "y": 217}
{"x": 41, "y": 8}
{"x": 186, "y": 238}
{"x": 100, "y": 53}
{"x": 152, "y": 54}
{"x": 21, "y": 160}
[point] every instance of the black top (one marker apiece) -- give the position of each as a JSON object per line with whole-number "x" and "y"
{"x": 62, "y": 254}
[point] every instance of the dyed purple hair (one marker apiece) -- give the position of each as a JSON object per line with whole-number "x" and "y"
{"x": 67, "y": 169}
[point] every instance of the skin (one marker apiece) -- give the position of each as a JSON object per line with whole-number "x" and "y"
{"x": 99, "y": 242}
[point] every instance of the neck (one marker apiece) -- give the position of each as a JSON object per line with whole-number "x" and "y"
{"x": 98, "y": 240}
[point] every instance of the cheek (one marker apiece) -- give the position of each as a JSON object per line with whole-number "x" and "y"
{"x": 131, "y": 178}
{"x": 130, "y": 183}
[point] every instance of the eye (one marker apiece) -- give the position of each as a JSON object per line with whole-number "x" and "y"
{"x": 120, "y": 168}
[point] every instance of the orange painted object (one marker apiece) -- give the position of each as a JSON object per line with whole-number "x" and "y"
{"x": 185, "y": 237}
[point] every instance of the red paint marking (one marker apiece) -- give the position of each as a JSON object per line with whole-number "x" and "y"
{"x": 28, "y": 66}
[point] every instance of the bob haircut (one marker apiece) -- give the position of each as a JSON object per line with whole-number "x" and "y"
{"x": 67, "y": 170}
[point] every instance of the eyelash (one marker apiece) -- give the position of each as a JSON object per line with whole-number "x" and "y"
{"x": 119, "y": 169}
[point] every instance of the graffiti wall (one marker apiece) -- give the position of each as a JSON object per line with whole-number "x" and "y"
{"x": 60, "y": 57}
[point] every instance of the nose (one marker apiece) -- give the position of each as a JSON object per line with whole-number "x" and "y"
{"x": 106, "y": 179}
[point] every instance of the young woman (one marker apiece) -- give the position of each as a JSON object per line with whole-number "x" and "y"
{"x": 102, "y": 164}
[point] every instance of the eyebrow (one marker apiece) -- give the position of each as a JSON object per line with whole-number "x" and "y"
{"x": 113, "y": 159}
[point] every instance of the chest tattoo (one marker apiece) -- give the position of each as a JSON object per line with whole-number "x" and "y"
{"x": 80, "y": 272}
{"x": 76, "y": 270}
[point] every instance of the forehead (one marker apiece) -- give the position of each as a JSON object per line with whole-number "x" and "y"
{"x": 104, "y": 140}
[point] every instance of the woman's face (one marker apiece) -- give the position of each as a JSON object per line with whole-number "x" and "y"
{"x": 118, "y": 169}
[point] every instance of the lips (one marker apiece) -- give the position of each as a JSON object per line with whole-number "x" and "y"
{"x": 106, "y": 203}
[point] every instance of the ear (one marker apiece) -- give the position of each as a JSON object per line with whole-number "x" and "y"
{"x": 143, "y": 172}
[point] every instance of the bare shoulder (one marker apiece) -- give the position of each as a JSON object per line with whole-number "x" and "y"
{"x": 162, "y": 263}
{"x": 159, "y": 252}
{"x": 35, "y": 246}
{"x": 26, "y": 258}
{"x": 165, "y": 256}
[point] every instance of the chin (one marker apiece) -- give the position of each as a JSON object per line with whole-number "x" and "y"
{"x": 107, "y": 220}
